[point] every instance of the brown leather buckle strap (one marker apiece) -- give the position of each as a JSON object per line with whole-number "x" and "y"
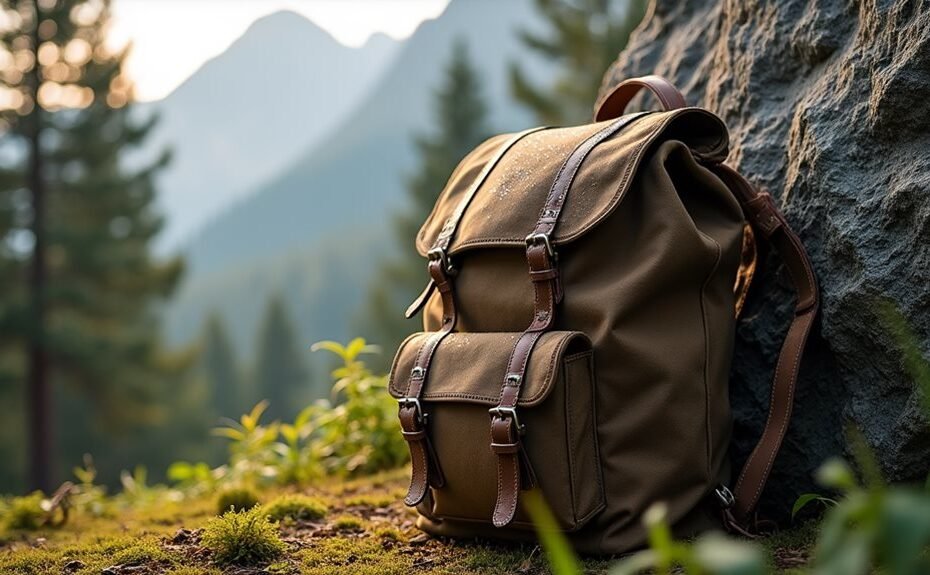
{"x": 614, "y": 104}
{"x": 765, "y": 217}
{"x": 425, "y": 468}
{"x": 514, "y": 470}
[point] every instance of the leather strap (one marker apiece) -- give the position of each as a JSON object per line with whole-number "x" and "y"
{"x": 514, "y": 470}
{"x": 765, "y": 217}
{"x": 614, "y": 103}
{"x": 425, "y": 468}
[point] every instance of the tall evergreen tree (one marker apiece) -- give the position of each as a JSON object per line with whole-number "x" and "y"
{"x": 280, "y": 373}
{"x": 77, "y": 222}
{"x": 460, "y": 120}
{"x": 584, "y": 38}
{"x": 220, "y": 370}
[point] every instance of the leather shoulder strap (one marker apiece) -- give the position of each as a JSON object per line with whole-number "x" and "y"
{"x": 764, "y": 216}
{"x": 615, "y": 102}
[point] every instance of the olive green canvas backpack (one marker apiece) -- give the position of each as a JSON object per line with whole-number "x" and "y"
{"x": 579, "y": 323}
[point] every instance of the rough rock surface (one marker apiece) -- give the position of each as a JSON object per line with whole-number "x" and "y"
{"x": 828, "y": 104}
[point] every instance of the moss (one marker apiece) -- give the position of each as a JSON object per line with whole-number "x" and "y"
{"x": 358, "y": 556}
{"x": 24, "y": 513}
{"x": 296, "y": 507}
{"x": 236, "y": 499}
{"x": 193, "y": 571}
{"x": 390, "y": 534}
{"x": 245, "y": 538}
{"x": 371, "y": 500}
{"x": 347, "y": 523}
{"x": 88, "y": 557}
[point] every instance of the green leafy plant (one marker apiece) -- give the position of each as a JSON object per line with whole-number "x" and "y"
{"x": 873, "y": 527}
{"x": 87, "y": 496}
{"x": 296, "y": 463}
{"x": 195, "y": 478}
{"x": 251, "y": 456}
{"x": 236, "y": 499}
{"x": 295, "y": 507}
{"x": 25, "y": 513}
{"x": 710, "y": 554}
{"x": 244, "y": 538}
{"x": 356, "y": 431}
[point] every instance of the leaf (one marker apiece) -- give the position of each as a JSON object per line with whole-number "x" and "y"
{"x": 802, "y": 502}
{"x": 836, "y": 474}
{"x": 904, "y": 531}
{"x": 722, "y": 555}
{"x": 635, "y": 564}
{"x": 228, "y": 433}
{"x": 561, "y": 556}
{"x": 330, "y": 346}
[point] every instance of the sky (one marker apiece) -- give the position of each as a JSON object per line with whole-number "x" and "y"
{"x": 172, "y": 38}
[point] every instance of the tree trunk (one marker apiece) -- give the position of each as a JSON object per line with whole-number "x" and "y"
{"x": 828, "y": 104}
{"x": 38, "y": 395}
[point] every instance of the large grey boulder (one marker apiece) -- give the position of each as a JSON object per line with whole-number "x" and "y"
{"x": 828, "y": 105}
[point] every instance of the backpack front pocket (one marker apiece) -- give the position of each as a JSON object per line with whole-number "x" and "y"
{"x": 556, "y": 408}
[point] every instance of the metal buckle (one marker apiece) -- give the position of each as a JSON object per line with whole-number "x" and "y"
{"x": 440, "y": 254}
{"x": 418, "y": 413}
{"x": 511, "y": 412}
{"x": 725, "y": 496}
{"x": 544, "y": 238}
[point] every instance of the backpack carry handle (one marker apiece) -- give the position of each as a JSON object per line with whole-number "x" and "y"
{"x": 614, "y": 104}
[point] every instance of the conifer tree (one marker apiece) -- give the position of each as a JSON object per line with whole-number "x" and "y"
{"x": 77, "y": 223}
{"x": 220, "y": 370}
{"x": 280, "y": 372}
{"x": 460, "y": 120}
{"x": 584, "y": 38}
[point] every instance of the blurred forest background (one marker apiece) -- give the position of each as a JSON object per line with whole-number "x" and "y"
{"x": 167, "y": 264}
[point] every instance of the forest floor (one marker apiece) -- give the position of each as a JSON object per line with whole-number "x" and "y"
{"x": 367, "y": 531}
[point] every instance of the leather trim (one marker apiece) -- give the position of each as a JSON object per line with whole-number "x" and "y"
{"x": 614, "y": 104}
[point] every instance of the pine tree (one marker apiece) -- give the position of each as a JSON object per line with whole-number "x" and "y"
{"x": 460, "y": 120}
{"x": 280, "y": 373}
{"x": 78, "y": 223}
{"x": 220, "y": 370}
{"x": 585, "y": 37}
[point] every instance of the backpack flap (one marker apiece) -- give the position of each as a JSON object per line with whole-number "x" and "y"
{"x": 512, "y": 195}
{"x": 556, "y": 409}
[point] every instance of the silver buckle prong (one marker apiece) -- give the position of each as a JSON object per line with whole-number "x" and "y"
{"x": 544, "y": 238}
{"x": 511, "y": 412}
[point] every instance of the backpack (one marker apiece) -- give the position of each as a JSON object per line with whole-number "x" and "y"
{"x": 589, "y": 280}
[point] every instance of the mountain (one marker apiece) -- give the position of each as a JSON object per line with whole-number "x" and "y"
{"x": 253, "y": 110}
{"x": 343, "y": 190}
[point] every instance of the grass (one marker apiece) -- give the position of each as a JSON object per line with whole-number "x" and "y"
{"x": 364, "y": 530}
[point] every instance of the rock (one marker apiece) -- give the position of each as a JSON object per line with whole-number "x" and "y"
{"x": 828, "y": 105}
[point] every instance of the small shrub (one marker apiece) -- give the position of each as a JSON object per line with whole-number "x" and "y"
{"x": 244, "y": 538}
{"x": 296, "y": 507}
{"x": 347, "y": 523}
{"x": 25, "y": 512}
{"x": 236, "y": 499}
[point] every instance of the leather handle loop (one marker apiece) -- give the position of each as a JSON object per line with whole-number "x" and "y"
{"x": 614, "y": 104}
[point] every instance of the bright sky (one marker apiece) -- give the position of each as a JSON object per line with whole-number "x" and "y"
{"x": 172, "y": 38}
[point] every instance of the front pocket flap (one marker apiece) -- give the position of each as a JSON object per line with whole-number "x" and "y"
{"x": 469, "y": 367}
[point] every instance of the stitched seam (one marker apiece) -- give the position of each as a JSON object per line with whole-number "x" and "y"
{"x": 572, "y": 464}
{"x": 396, "y": 363}
{"x": 710, "y": 275}
{"x": 784, "y": 423}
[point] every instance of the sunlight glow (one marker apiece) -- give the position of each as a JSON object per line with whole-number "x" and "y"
{"x": 173, "y": 38}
